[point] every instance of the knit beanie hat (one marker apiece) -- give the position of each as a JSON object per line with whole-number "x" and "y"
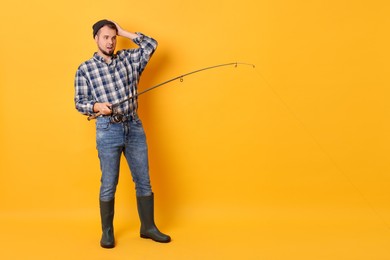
{"x": 96, "y": 27}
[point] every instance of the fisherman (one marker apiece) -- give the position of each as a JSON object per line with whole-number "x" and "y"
{"x": 106, "y": 79}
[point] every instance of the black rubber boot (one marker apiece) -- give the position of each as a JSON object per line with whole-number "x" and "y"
{"x": 107, "y": 217}
{"x": 145, "y": 206}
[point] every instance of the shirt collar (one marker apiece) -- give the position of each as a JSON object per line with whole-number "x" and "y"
{"x": 97, "y": 57}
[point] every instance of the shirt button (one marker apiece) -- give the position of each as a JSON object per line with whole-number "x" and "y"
{"x": 116, "y": 88}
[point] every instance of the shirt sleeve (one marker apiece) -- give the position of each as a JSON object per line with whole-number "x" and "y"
{"x": 83, "y": 98}
{"x": 142, "y": 55}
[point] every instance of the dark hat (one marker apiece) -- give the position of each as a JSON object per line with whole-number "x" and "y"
{"x": 96, "y": 27}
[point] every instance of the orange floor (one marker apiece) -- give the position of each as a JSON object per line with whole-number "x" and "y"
{"x": 283, "y": 232}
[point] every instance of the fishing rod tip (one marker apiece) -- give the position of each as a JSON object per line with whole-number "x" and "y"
{"x": 243, "y": 63}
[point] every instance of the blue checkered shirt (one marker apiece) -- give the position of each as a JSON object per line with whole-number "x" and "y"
{"x": 97, "y": 81}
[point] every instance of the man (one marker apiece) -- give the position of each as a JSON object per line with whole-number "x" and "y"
{"x": 106, "y": 79}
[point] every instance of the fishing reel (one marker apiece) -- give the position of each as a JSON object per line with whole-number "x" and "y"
{"x": 118, "y": 118}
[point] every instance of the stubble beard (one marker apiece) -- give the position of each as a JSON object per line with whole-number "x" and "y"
{"x": 108, "y": 54}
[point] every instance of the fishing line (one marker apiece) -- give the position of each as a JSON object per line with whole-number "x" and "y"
{"x": 327, "y": 154}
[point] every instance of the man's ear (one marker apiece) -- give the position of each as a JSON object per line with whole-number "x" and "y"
{"x": 96, "y": 38}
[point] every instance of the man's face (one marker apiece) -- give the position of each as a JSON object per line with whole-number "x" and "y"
{"x": 106, "y": 40}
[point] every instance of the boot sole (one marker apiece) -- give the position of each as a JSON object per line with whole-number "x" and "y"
{"x": 160, "y": 241}
{"x": 107, "y": 246}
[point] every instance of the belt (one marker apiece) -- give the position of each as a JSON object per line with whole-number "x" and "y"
{"x": 121, "y": 118}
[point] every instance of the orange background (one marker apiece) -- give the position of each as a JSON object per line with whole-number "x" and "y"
{"x": 285, "y": 161}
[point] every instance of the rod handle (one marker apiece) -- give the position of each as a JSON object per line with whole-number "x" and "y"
{"x": 93, "y": 116}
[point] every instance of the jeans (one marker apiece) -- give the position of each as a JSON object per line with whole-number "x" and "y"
{"x": 113, "y": 139}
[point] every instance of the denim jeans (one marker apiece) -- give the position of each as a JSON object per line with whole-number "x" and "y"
{"x": 115, "y": 139}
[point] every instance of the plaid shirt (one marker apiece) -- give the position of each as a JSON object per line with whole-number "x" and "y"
{"x": 97, "y": 81}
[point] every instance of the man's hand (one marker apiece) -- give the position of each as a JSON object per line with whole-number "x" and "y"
{"x": 120, "y": 30}
{"x": 102, "y": 108}
{"x": 124, "y": 33}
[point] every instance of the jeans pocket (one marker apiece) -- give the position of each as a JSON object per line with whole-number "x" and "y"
{"x": 102, "y": 125}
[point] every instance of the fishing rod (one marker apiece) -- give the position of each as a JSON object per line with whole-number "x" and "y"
{"x": 180, "y": 77}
